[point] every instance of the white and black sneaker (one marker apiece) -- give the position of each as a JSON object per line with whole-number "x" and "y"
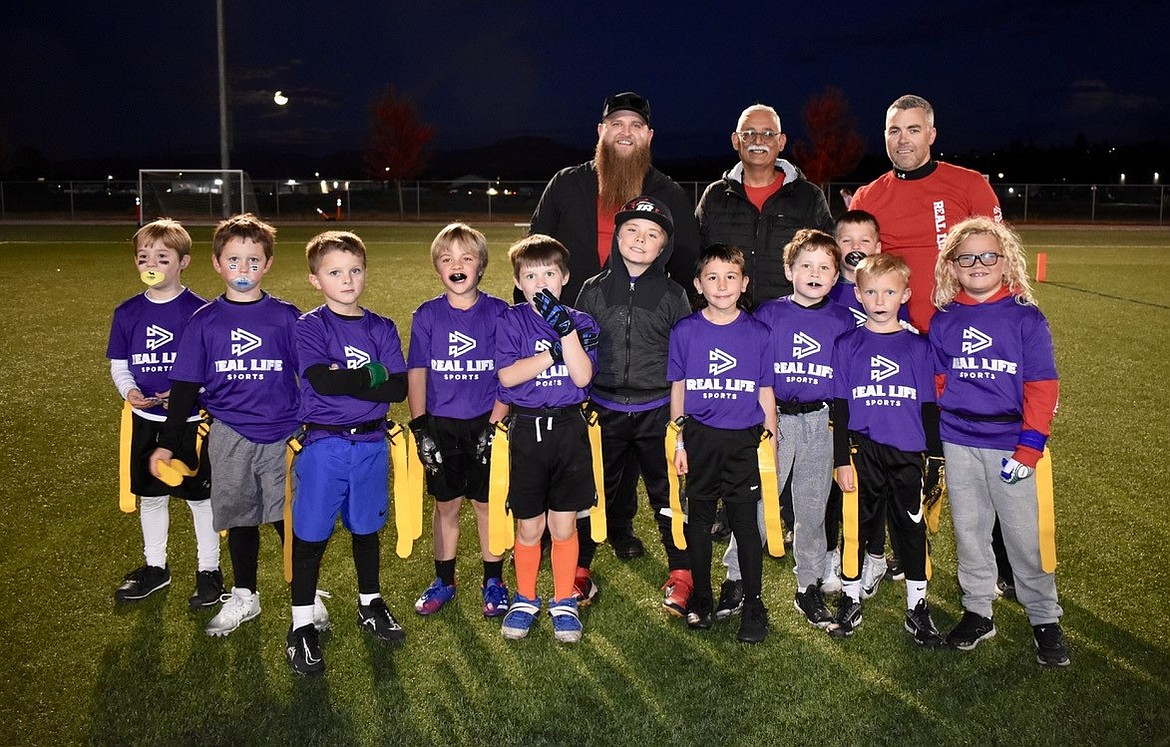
{"x": 142, "y": 582}
{"x": 730, "y": 599}
{"x": 238, "y": 607}
{"x": 873, "y": 570}
{"x": 971, "y": 630}
{"x": 811, "y": 604}
{"x": 846, "y": 619}
{"x": 1051, "y": 650}
{"x": 304, "y": 651}
{"x": 208, "y": 589}
{"x": 919, "y": 624}
{"x": 375, "y": 618}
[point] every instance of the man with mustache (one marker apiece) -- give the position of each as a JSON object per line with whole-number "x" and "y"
{"x": 578, "y": 209}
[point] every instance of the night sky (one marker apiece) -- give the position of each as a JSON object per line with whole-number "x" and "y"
{"x": 86, "y": 79}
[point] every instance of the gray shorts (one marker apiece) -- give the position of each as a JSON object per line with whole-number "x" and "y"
{"x": 247, "y": 486}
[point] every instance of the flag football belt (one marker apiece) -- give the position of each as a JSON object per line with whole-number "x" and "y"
{"x": 770, "y": 490}
{"x": 1007, "y": 417}
{"x": 597, "y": 524}
{"x": 370, "y": 426}
{"x": 677, "y": 517}
{"x": 173, "y": 472}
{"x": 409, "y": 486}
{"x": 798, "y": 408}
{"x": 293, "y": 446}
{"x": 556, "y": 413}
{"x": 501, "y": 531}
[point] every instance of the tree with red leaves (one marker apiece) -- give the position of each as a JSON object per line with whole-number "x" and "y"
{"x": 399, "y": 139}
{"x": 835, "y": 147}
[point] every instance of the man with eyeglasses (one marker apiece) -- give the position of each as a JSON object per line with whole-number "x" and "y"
{"x": 920, "y": 199}
{"x": 760, "y": 203}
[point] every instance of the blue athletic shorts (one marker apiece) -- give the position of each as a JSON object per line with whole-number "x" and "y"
{"x": 339, "y": 476}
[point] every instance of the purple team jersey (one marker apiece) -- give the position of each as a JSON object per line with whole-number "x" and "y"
{"x": 987, "y": 352}
{"x": 146, "y": 335}
{"x": 885, "y": 377}
{"x": 325, "y": 338}
{"x": 842, "y": 293}
{"x": 723, "y": 366}
{"x": 802, "y": 341}
{"x": 244, "y": 356}
{"x": 521, "y": 333}
{"x": 457, "y": 347}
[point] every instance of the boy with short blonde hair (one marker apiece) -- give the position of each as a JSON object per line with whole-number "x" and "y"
{"x": 143, "y": 338}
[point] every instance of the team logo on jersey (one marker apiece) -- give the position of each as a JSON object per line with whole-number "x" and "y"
{"x": 858, "y": 316}
{"x": 247, "y": 341}
{"x": 974, "y": 340}
{"x": 459, "y": 344}
{"x": 882, "y": 368}
{"x": 803, "y": 345}
{"x": 720, "y": 362}
{"x": 156, "y": 337}
{"x": 355, "y": 357}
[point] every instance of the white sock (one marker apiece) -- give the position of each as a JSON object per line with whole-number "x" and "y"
{"x": 302, "y": 615}
{"x": 915, "y": 593}
{"x": 155, "y": 515}
{"x": 206, "y": 538}
{"x": 852, "y": 589}
{"x": 366, "y": 599}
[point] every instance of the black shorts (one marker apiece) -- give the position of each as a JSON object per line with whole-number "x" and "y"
{"x": 551, "y": 464}
{"x": 722, "y": 463}
{"x": 143, "y": 442}
{"x": 460, "y": 475}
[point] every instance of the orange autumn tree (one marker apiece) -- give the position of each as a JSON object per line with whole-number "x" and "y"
{"x": 398, "y": 143}
{"x": 834, "y": 146}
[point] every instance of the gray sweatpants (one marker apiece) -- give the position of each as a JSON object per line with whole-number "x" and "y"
{"x": 804, "y": 448}
{"x": 976, "y": 495}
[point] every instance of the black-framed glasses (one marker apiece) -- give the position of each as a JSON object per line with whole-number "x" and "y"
{"x": 765, "y": 135}
{"x": 987, "y": 259}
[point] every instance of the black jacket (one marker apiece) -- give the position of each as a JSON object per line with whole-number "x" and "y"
{"x": 635, "y": 320}
{"x": 726, "y": 216}
{"x": 567, "y": 211}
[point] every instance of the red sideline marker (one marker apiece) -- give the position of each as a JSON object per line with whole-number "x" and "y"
{"x": 1041, "y": 267}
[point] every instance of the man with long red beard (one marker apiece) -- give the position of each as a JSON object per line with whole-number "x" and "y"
{"x": 578, "y": 209}
{"x": 579, "y": 204}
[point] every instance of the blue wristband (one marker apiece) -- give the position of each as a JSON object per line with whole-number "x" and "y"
{"x": 1033, "y": 440}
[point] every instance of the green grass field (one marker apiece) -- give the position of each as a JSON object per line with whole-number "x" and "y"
{"x": 78, "y": 669}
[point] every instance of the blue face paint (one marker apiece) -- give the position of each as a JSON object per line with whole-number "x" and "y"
{"x": 242, "y": 284}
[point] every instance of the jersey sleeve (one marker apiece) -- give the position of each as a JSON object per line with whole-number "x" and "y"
{"x": 310, "y": 343}
{"x": 390, "y": 347}
{"x": 508, "y": 342}
{"x": 419, "y": 355}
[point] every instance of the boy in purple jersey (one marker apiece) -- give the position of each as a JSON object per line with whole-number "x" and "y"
{"x": 452, "y": 396}
{"x": 635, "y": 305}
{"x": 351, "y": 369}
{"x": 545, "y": 357}
{"x": 804, "y": 327}
{"x": 143, "y": 339}
{"x": 998, "y": 394}
{"x": 721, "y": 395}
{"x": 884, "y": 409}
{"x": 239, "y": 350}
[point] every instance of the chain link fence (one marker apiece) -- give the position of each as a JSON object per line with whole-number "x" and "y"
{"x": 478, "y": 200}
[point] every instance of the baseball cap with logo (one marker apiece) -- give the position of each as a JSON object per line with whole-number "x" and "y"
{"x": 648, "y": 208}
{"x": 627, "y": 101}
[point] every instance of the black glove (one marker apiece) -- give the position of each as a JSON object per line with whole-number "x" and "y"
{"x": 589, "y": 340}
{"x": 483, "y": 444}
{"x": 428, "y": 450}
{"x": 553, "y": 312}
{"x": 934, "y": 481}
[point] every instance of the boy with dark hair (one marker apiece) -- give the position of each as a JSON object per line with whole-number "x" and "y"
{"x": 545, "y": 356}
{"x": 239, "y": 350}
{"x": 143, "y": 338}
{"x": 884, "y": 411}
{"x": 635, "y": 305}
{"x": 721, "y": 395}
{"x": 351, "y": 366}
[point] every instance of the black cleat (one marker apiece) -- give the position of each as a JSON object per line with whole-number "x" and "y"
{"x": 1051, "y": 650}
{"x": 730, "y": 600}
{"x": 208, "y": 589}
{"x": 919, "y": 624}
{"x": 375, "y": 618}
{"x": 811, "y": 604}
{"x": 142, "y": 582}
{"x": 304, "y": 651}
{"x": 753, "y": 624}
{"x": 846, "y": 619}
{"x": 970, "y": 631}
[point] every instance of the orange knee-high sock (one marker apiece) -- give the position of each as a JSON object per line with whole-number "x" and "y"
{"x": 564, "y": 566}
{"x": 527, "y": 559}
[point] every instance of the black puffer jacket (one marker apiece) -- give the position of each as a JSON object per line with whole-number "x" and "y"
{"x": 726, "y": 216}
{"x": 635, "y": 320}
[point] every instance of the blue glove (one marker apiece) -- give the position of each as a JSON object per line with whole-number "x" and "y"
{"x": 589, "y": 340}
{"x": 557, "y": 351}
{"x": 553, "y": 312}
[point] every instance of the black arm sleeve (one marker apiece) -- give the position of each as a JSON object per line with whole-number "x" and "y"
{"x": 333, "y": 382}
{"x": 393, "y": 389}
{"x": 839, "y": 411}
{"x": 184, "y": 395}
{"x": 930, "y": 425}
